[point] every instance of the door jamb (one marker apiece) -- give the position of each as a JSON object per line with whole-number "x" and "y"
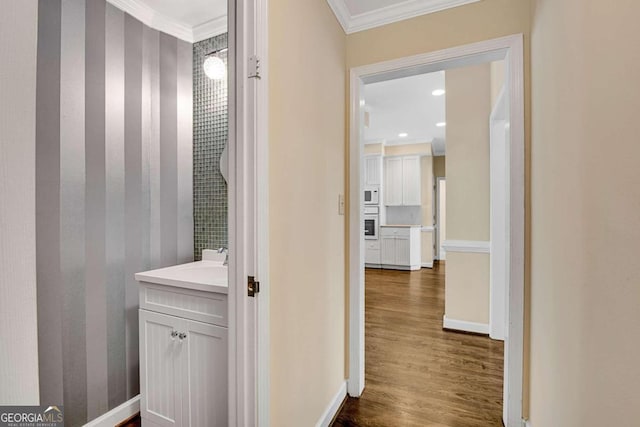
{"x": 248, "y": 215}
{"x": 511, "y": 49}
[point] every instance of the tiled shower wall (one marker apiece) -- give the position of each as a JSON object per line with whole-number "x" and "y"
{"x": 210, "y": 135}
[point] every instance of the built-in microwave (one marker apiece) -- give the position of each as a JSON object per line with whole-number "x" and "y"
{"x": 371, "y": 196}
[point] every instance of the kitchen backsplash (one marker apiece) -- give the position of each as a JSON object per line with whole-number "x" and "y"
{"x": 404, "y": 215}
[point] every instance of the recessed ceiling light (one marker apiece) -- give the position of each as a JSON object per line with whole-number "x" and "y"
{"x": 403, "y": 135}
{"x": 441, "y": 124}
{"x": 438, "y": 92}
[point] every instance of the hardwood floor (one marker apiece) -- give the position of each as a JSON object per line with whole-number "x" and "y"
{"x": 134, "y": 422}
{"x": 416, "y": 373}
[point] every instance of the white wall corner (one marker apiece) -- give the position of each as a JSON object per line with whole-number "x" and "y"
{"x": 209, "y": 29}
{"x": 333, "y": 407}
{"x": 463, "y": 325}
{"x": 118, "y": 414}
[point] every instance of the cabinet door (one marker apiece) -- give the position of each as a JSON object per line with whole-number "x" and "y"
{"x": 393, "y": 181}
{"x": 206, "y": 375}
{"x": 411, "y": 181}
{"x": 403, "y": 251}
{"x": 372, "y": 168}
{"x": 388, "y": 250}
{"x": 159, "y": 368}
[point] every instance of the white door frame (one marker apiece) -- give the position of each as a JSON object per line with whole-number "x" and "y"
{"x": 499, "y": 234}
{"x": 509, "y": 48}
{"x": 248, "y": 215}
{"x": 438, "y": 228}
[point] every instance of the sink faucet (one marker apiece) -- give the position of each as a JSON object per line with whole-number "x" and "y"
{"x": 226, "y": 252}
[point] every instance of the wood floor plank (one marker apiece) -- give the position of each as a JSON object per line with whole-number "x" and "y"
{"x": 418, "y": 374}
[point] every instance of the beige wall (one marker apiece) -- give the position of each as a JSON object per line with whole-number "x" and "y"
{"x": 483, "y": 20}
{"x": 374, "y": 149}
{"x": 439, "y": 168}
{"x": 18, "y": 310}
{"x": 467, "y": 160}
{"x": 423, "y": 149}
{"x": 585, "y": 221}
{"x": 307, "y": 154}
{"x": 466, "y": 291}
{"x": 467, "y": 164}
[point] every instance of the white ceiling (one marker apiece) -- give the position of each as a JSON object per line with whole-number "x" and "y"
{"x": 189, "y": 12}
{"x": 189, "y": 20}
{"x": 359, "y": 15}
{"x": 406, "y": 105}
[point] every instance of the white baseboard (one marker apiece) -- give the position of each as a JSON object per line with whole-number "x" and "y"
{"x": 117, "y": 414}
{"x": 427, "y": 264}
{"x": 463, "y": 325}
{"x": 467, "y": 246}
{"x": 334, "y": 406}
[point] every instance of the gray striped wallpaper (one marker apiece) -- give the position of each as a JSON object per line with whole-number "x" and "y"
{"x": 113, "y": 193}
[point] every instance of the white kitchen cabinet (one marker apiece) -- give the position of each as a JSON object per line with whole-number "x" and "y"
{"x": 372, "y": 253}
{"x": 393, "y": 181}
{"x": 373, "y": 170}
{"x": 411, "y": 181}
{"x": 400, "y": 247}
{"x": 402, "y": 181}
{"x": 183, "y": 361}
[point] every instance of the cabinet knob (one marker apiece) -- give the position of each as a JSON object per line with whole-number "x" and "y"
{"x": 174, "y": 334}
{"x": 182, "y": 335}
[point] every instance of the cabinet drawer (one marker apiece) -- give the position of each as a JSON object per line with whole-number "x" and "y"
{"x": 398, "y": 232}
{"x": 372, "y": 244}
{"x": 207, "y": 307}
{"x": 372, "y": 256}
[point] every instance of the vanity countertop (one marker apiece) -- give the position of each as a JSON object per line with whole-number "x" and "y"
{"x": 206, "y": 275}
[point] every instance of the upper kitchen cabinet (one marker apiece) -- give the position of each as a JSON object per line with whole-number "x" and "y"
{"x": 373, "y": 170}
{"x": 402, "y": 181}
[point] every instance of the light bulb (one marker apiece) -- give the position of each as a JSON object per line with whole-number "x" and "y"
{"x": 214, "y": 68}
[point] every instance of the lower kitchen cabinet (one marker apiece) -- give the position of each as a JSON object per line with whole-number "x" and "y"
{"x": 372, "y": 253}
{"x": 400, "y": 248}
{"x": 183, "y": 370}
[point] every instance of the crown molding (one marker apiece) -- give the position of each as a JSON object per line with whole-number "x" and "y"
{"x": 209, "y": 29}
{"x": 389, "y": 14}
{"x": 160, "y": 22}
{"x": 339, "y": 8}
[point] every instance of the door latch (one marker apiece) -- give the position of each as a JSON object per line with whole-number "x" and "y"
{"x": 253, "y": 286}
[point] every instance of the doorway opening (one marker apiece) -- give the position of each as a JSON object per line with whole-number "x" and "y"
{"x": 507, "y": 49}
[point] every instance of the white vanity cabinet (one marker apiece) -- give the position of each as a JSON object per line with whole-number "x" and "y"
{"x": 183, "y": 357}
{"x": 400, "y": 247}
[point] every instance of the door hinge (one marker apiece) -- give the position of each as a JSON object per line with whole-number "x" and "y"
{"x": 253, "y": 286}
{"x": 254, "y": 67}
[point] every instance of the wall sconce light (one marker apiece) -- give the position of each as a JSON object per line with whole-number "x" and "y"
{"x": 214, "y": 66}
